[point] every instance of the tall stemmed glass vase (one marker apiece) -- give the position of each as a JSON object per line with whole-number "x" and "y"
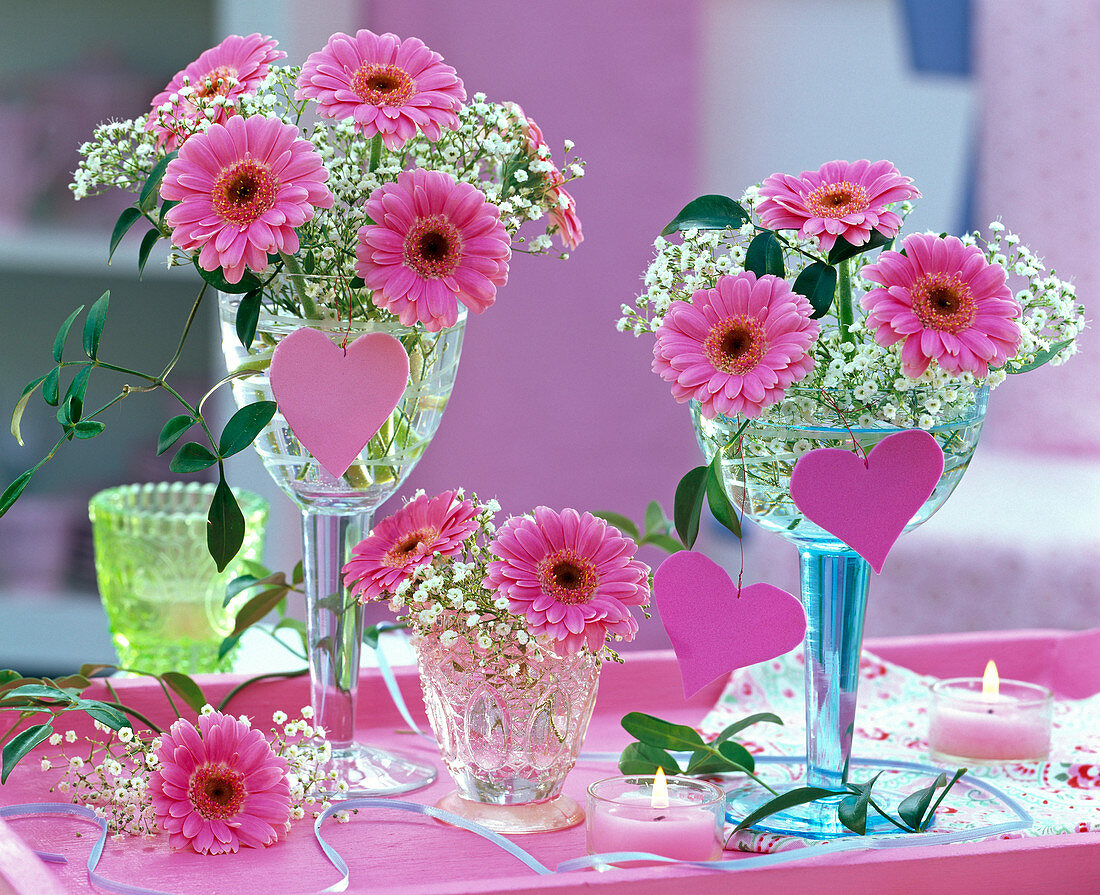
{"x": 337, "y": 512}
{"x": 834, "y": 579}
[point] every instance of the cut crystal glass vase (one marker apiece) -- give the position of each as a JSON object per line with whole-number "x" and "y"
{"x": 510, "y": 723}
{"x": 834, "y": 579}
{"x": 337, "y": 513}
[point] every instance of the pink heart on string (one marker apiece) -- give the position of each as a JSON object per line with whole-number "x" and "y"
{"x": 867, "y": 505}
{"x": 334, "y": 400}
{"x": 713, "y": 629}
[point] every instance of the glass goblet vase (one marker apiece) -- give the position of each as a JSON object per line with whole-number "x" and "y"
{"x": 337, "y": 513}
{"x": 834, "y": 579}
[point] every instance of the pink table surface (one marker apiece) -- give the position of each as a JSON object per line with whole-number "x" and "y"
{"x": 399, "y": 853}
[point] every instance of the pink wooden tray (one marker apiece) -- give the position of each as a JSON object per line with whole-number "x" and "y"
{"x": 395, "y": 852}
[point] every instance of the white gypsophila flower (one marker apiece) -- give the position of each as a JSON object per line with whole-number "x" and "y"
{"x": 448, "y": 638}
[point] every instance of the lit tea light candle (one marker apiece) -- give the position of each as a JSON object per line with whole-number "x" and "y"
{"x": 675, "y": 817}
{"x": 989, "y": 721}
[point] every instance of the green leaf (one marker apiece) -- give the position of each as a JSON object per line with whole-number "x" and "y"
{"x": 125, "y": 221}
{"x": 97, "y": 669}
{"x": 248, "y": 316}
{"x": 818, "y": 283}
{"x": 356, "y": 283}
{"x": 173, "y": 430}
{"x": 21, "y": 407}
{"x": 621, "y": 522}
{"x": 217, "y": 279}
{"x": 370, "y": 636}
{"x": 792, "y": 797}
{"x": 165, "y": 207}
{"x": 104, "y": 714}
{"x": 765, "y": 255}
{"x": 226, "y": 645}
{"x": 660, "y": 733}
{"x": 39, "y": 691}
{"x": 245, "y": 582}
{"x": 12, "y": 492}
{"x": 688, "y": 504}
{"x": 666, "y": 542}
{"x": 717, "y": 499}
{"x": 936, "y": 804}
{"x": 63, "y": 334}
{"x": 639, "y": 758}
{"x": 51, "y": 390}
{"x": 709, "y": 212}
{"x": 78, "y": 388}
{"x": 732, "y": 758}
{"x": 147, "y": 242}
{"x": 192, "y": 457}
{"x": 297, "y": 576}
{"x": 852, "y": 809}
{"x": 189, "y": 691}
{"x": 22, "y": 743}
{"x": 151, "y": 186}
{"x": 738, "y": 726}
{"x": 86, "y": 429}
{"x": 258, "y": 608}
{"x": 655, "y": 518}
{"x": 913, "y": 807}
{"x": 842, "y": 249}
{"x": 1041, "y": 358}
{"x": 244, "y": 426}
{"x": 225, "y": 532}
{"x": 93, "y": 325}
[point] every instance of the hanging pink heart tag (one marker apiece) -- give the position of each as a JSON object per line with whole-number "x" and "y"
{"x": 713, "y": 629}
{"x": 335, "y": 400}
{"x": 867, "y": 505}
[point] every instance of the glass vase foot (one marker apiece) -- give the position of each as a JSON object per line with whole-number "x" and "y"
{"x": 370, "y": 771}
{"x": 558, "y": 813}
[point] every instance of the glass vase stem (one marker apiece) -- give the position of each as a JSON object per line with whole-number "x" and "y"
{"x": 834, "y": 592}
{"x": 334, "y": 623}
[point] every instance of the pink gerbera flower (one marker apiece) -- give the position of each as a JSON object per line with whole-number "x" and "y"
{"x": 573, "y": 576}
{"x": 435, "y": 242}
{"x": 402, "y": 543}
{"x": 219, "y": 786}
{"x": 846, "y": 199}
{"x": 389, "y": 86}
{"x": 242, "y": 188}
{"x": 736, "y": 348}
{"x": 232, "y": 68}
{"x": 563, "y": 207}
{"x": 946, "y": 302}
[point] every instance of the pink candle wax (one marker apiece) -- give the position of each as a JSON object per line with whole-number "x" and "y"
{"x": 989, "y": 728}
{"x": 622, "y": 817}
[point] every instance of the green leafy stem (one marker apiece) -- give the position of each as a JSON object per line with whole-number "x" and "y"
{"x": 657, "y": 739}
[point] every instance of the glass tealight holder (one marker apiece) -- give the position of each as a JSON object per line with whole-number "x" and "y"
{"x": 969, "y": 727}
{"x": 162, "y": 592}
{"x": 624, "y": 816}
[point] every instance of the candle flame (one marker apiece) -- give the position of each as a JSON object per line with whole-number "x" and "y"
{"x": 991, "y": 682}
{"x": 659, "y": 799}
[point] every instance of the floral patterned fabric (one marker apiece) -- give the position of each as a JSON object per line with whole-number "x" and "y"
{"x": 1062, "y": 795}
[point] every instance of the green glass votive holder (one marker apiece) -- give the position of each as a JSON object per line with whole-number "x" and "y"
{"x": 160, "y": 588}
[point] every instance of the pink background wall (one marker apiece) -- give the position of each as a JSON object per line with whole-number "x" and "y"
{"x": 552, "y": 405}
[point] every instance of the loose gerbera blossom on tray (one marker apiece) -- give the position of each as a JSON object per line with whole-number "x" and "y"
{"x": 561, "y": 581}
{"x": 903, "y": 337}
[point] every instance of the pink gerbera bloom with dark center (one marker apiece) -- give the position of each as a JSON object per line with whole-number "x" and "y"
{"x": 219, "y": 786}
{"x": 736, "y": 348}
{"x": 847, "y": 199}
{"x": 387, "y": 85}
{"x": 435, "y": 242}
{"x": 402, "y": 543}
{"x": 232, "y": 68}
{"x": 946, "y": 303}
{"x": 572, "y": 576}
{"x": 242, "y": 188}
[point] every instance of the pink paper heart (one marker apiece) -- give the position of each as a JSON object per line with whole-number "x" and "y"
{"x": 714, "y": 630}
{"x": 335, "y": 400}
{"x": 868, "y": 505}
